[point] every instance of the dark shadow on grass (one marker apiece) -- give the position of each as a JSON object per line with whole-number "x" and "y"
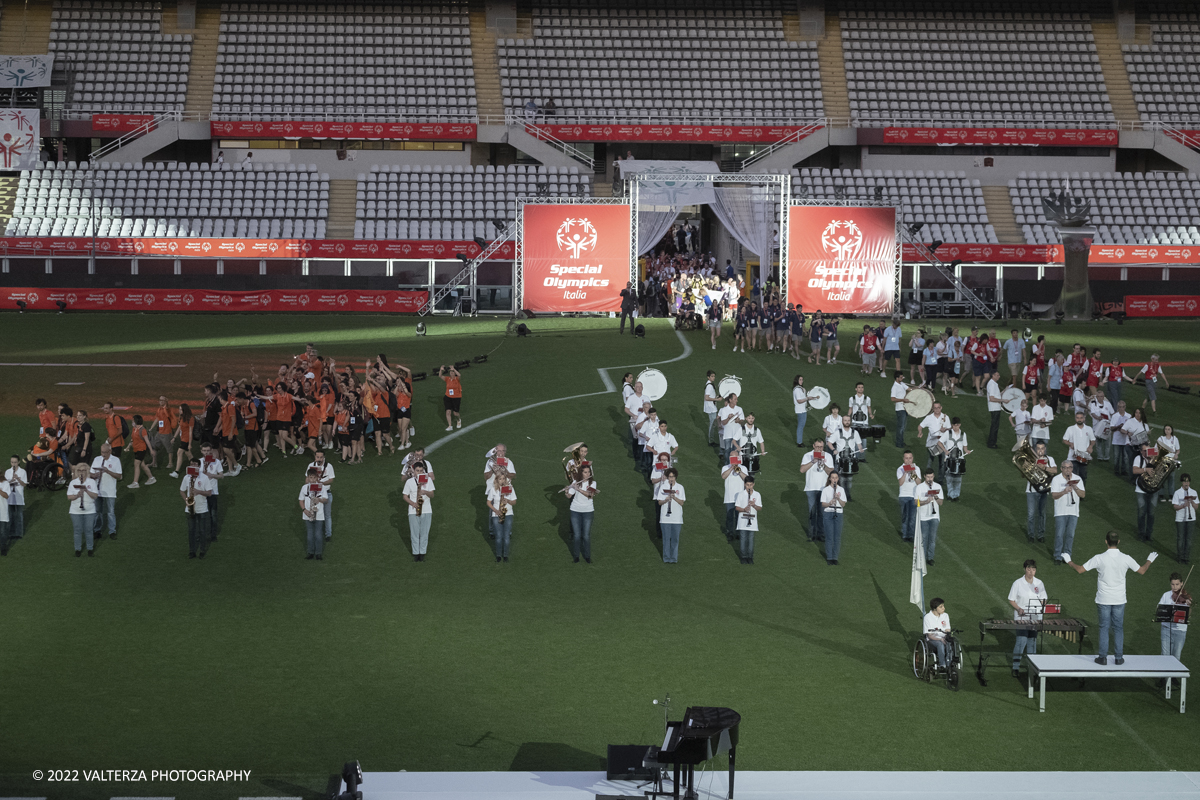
{"x": 891, "y": 614}
{"x": 716, "y": 503}
{"x": 398, "y": 519}
{"x": 650, "y": 518}
{"x": 552, "y": 756}
{"x": 561, "y": 520}
{"x": 483, "y": 516}
{"x": 797, "y": 503}
{"x": 288, "y": 789}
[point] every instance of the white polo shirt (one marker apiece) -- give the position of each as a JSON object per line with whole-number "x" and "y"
{"x": 1111, "y": 566}
{"x": 710, "y": 398}
{"x": 1063, "y": 506}
{"x": 16, "y": 490}
{"x": 815, "y": 479}
{"x": 107, "y": 483}
{"x": 899, "y": 392}
{"x": 314, "y": 499}
{"x": 1184, "y": 514}
{"x": 1049, "y": 465}
{"x": 735, "y": 483}
{"x": 993, "y": 391}
{"x": 410, "y": 491}
{"x": 1119, "y": 436}
{"x": 1041, "y": 413}
{"x": 934, "y": 424}
{"x": 845, "y": 438}
{"x": 928, "y": 509}
{"x": 800, "y": 400}
{"x": 84, "y": 504}
{"x": 676, "y": 517}
{"x": 203, "y": 484}
{"x": 908, "y": 488}
{"x": 747, "y": 520}
{"x": 1078, "y": 439}
{"x": 1023, "y": 592}
{"x": 730, "y": 427}
{"x": 493, "y": 496}
{"x": 633, "y": 403}
{"x": 827, "y": 495}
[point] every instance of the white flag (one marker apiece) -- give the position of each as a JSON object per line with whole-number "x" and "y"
{"x": 916, "y": 592}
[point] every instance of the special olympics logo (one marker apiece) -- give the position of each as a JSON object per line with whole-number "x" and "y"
{"x": 265, "y": 300}
{"x": 188, "y": 300}
{"x": 303, "y": 299}
{"x": 576, "y": 235}
{"x": 406, "y": 248}
{"x": 1153, "y": 305}
{"x": 148, "y": 299}
{"x": 1153, "y": 253}
{"x": 33, "y": 297}
{"x": 380, "y": 300}
{"x": 1191, "y": 305}
{"x": 1020, "y": 251}
{"x": 987, "y": 252}
{"x": 240, "y": 246}
{"x": 1119, "y": 253}
{"x": 173, "y": 246}
{"x": 842, "y": 238}
{"x": 341, "y": 248}
{"x": 226, "y": 299}
{"x": 71, "y": 298}
{"x": 1186, "y": 254}
{"x": 342, "y": 300}
{"x": 110, "y": 298}
{"x": 206, "y": 246}
{"x": 373, "y": 249}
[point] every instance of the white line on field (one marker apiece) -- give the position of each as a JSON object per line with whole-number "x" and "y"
{"x": 46, "y": 364}
{"x": 608, "y": 388}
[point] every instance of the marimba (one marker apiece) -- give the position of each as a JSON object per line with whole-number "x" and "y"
{"x": 1068, "y": 628}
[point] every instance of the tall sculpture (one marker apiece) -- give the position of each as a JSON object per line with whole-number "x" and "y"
{"x": 1071, "y": 215}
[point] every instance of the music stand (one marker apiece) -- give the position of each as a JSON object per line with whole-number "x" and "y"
{"x": 1171, "y": 613}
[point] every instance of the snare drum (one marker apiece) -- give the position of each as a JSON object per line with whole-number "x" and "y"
{"x": 820, "y": 397}
{"x": 956, "y": 466}
{"x": 876, "y": 432}
{"x": 847, "y": 464}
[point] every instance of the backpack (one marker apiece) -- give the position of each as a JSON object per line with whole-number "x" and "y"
{"x": 125, "y": 430}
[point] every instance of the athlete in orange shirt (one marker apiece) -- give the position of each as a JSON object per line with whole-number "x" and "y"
{"x": 141, "y": 444}
{"x": 327, "y": 399}
{"x": 311, "y": 427}
{"x": 47, "y": 421}
{"x": 382, "y": 415}
{"x": 164, "y": 426}
{"x": 227, "y": 432}
{"x": 453, "y": 399}
{"x": 253, "y": 431}
{"x": 341, "y": 426}
{"x": 183, "y": 432}
{"x": 113, "y": 426}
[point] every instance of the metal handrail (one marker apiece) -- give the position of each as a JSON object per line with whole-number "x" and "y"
{"x": 136, "y": 133}
{"x": 553, "y": 141}
{"x": 470, "y": 269}
{"x": 931, "y": 258}
{"x": 791, "y": 138}
{"x": 1184, "y": 138}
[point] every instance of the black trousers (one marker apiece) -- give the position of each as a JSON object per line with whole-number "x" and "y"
{"x": 627, "y": 315}
{"x": 198, "y": 528}
{"x": 994, "y": 431}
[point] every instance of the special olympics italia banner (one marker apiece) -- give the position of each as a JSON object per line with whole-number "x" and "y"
{"x": 575, "y": 257}
{"x": 842, "y": 259}
{"x": 1162, "y": 305}
{"x": 380, "y": 302}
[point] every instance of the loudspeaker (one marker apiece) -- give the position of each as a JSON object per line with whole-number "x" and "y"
{"x": 625, "y": 763}
{"x": 522, "y": 329}
{"x": 640, "y": 332}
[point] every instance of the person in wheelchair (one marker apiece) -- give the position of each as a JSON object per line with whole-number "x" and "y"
{"x": 937, "y": 630}
{"x": 45, "y": 462}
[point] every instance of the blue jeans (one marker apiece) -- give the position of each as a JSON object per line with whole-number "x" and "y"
{"x": 1035, "y": 515}
{"x": 83, "y": 526}
{"x": 314, "y": 530}
{"x": 954, "y": 486}
{"x": 1064, "y": 535}
{"x": 106, "y": 507}
{"x": 581, "y": 534}
{"x": 1145, "y": 514}
{"x": 816, "y": 528}
{"x": 16, "y": 521}
{"x": 801, "y": 419}
{"x": 901, "y": 424}
{"x": 726, "y": 447}
{"x": 938, "y": 646}
{"x": 908, "y": 518}
{"x": 1122, "y": 459}
{"x": 197, "y": 525}
{"x": 329, "y": 516}
{"x": 730, "y": 520}
{"x": 746, "y": 539}
{"x": 833, "y": 534}
{"x": 712, "y": 422}
{"x": 1026, "y": 643}
{"x": 1103, "y": 451}
{"x": 929, "y": 528}
{"x": 1112, "y": 617}
{"x": 502, "y": 531}
{"x": 1172, "y": 642}
{"x": 670, "y": 535}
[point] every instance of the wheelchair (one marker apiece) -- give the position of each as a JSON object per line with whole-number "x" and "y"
{"x": 926, "y": 665}
{"x": 44, "y": 474}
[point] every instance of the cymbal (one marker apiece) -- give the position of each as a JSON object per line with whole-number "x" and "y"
{"x": 571, "y": 447}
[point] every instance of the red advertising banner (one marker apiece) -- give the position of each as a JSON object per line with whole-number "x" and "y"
{"x": 248, "y": 248}
{"x": 575, "y": 257}
{"x": 1046, "y": 137}
{"x": 120, "y": 123}
{"x": 297, "y": 129}
{"x": 380, "y": 302}
{"x": 1162, "y": 305}
{"x": 842, "y": 259}
{"x": 669, "y": 133}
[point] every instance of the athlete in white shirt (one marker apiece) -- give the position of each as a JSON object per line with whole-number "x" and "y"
{"x": 1111, "y": 566}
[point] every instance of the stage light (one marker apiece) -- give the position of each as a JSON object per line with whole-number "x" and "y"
{"x": 915, "y": 228}
{"x": 481, "y": 359}
{"x": 420, "y": 376}
{"x": 878, "y": 192}
{"x": 21, "y": 306}
{"x": 953, "y": 265}
{"x": 1120, "y": 318}
{"x": 1058, "y": 316}
{"x": 543, "y": 189}
{"x": 463, "y": 258}
{"x": 500, "y": 226}
{"x": 479, "y": 240}
{"x": 523, "y": 330}
{"x": 639, "y": 332}
{"x": 461, "y": 365}
{"x": 934, "y": 246}
{"x": 352, "y": 778}
{"x": 62, "y": 306}
{"x": 420, "y": 329}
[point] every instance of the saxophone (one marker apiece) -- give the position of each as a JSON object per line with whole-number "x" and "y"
{"x": 1025, "y": 460}
{"x": 1157, "y": 471}
{"x": 189, "y": 503}
{"x": 503, "y": 512}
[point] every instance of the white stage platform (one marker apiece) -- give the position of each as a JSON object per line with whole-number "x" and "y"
{"x": 1040, "y": 667}
{"x": 791, "y": 785}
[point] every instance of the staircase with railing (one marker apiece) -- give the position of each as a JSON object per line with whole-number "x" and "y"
{"x": 468, "y": 273}
{"x": 791, "y": 138}
{"x": 545, "y": 137}
{"x": 99, "y": 154}
{"x": 929, "y": 254}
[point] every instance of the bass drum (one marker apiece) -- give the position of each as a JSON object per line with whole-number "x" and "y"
{"x": 729, "y": 385}
{"x": 847, "y": 464}
{"x": 956, "y": 466}
{"x": 876, "y": 432}
{"x": 820, "y": 397}
{"x": 919, "y": 402}
{"x": 1011, "y": 399}
{"x": 654, "y": 384}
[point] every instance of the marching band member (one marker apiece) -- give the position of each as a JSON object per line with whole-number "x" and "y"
{"x": 1154, "y": 373}
{"x": 1035, "y": 501}
{"x": 210, "y": 465}
{"x": 453, "y": 399}
{"x": 196, "y": 487}
{"x": 907, "y": 479}
{"x": 660, "y": 441}
{"x": 710, "y": 402}
{"x": 1021, "y": 421}
{"x": 815, "y": 468}
{"x": 659, "y": 473}
{"x": 417, "y": 456}
{"x": 751, "y": 441}
{"x": 1185, "y": 503}
{"x": 734, "y": 476}
{"x": 898, "y": 395}
{"x": 627, "y": 387}
{"x": 953, "y": 441}
{"x": 832, "y": 421}
{"x": 418, "y": 491}
{"x": 325, "y": 477}
{"x": 1169, "y": 443}
{"x": 82, "y": 492}
{"x": 833, "y": 507}
{"x": 106, "y": 471}
{"x": 800, "y": 398}
{"x": 633, "y": 409}
{"x": 1174, "y": 633}
{"x": 929, "y": 513}
{"x": 1111, "y": 566}
{"x": 5, "y": 494}
{"x": 747, "y": 505}
{"x": 647, "y": 427}
{"x": 1041, "y": 417}
{"x": 1067, "y": 490}
{"x": 1146, "y": 501}
{"x": 1120, "y": 440}
{"x": 670, "y": 497}
{"x": 994, "y": 406}
{"x": 1137, "y": 433}
{"x": 859, "y": 406}
{"x": 501, "y": 497}
{"x": 572, "y": 464}
{"x": 1080, "y": 441}
{"x": 314, "y": 496}
{"x": 496, "y": 460}
{"x": 1101, "y": 412}
{"x": 583, "y": 509}
{"x": 1027, "y": 597}
{"x": 935, "y": 426}
{"x": 846, "y": 446}
{"x": 1113, "y": 375}
{"x": 17, "y": 479}
{"x": 731, "y": 419}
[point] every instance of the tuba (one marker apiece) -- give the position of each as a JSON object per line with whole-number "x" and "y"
{"x": 1157, "y": 472}
{"x": 572, "y": 472}
{"x": 1025, "y": 460}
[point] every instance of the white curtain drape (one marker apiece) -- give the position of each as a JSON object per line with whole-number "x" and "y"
{"x": 653, "y": 224}
{"x": 751, "y": 214}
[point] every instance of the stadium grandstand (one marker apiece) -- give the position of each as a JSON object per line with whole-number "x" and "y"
{"x": 422, "y": 128}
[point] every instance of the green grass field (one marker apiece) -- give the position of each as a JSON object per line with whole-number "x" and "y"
{"x": 258, "y": 659}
